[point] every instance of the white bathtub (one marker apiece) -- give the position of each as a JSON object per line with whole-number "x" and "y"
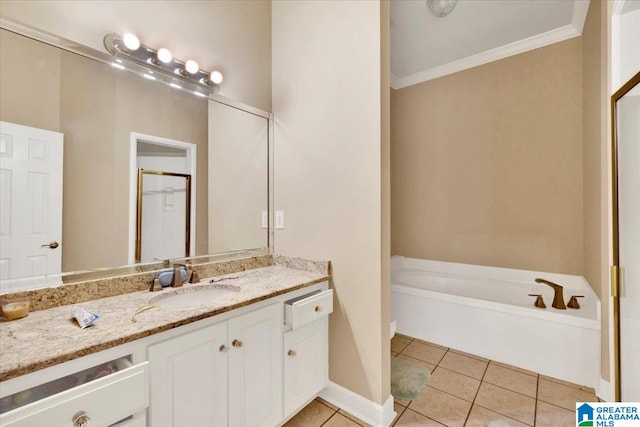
{"x": 487, "y": 311}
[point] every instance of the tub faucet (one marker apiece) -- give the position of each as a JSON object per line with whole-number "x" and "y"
{"x": 558, "y": 298}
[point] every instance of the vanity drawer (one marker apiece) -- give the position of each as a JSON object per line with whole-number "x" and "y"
{"x": 105, "y": 401}
{"x": 306, "y": 309}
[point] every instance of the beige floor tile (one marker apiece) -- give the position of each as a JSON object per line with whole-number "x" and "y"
{"x": 314, "y": 414}
{"x": 403, "y": 336}
{"x": 425, "y": 352}
{"x": 512, "y": 380}
{"x": 339, "y": 420}
{"x": 442, "y": 407}
{"x": 325, "y": 403}
{"x": 432, "y": 344}
{"x": 403, "y": 403}
{"x": 429, "y": 366}
{"x": 469, "y": 355}
{"x": 454, "y": 383}
{"x": 568, "y": 384}
{"x": 515, "y": 368}
{"x": 464, "y": 365}
{"x": 481, "y": 417}
{"x": 353, "y": 418}
{"x": 399, "y": 409}
{"x": 563, "y": 395}
{"x": 398, "y": 343}
{"x": 513, "y": 405}
{"x": 548, "y": 415}
{"x": 410, "y": 418}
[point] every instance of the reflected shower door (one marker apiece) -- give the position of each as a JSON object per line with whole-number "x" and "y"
{"x": 163, "y": 219}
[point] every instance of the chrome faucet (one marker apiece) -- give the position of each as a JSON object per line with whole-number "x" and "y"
{"x": 176, "y": 282}
{"x": 558, "y": 298}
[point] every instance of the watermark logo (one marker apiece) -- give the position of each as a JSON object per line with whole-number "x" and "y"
{"x": 603, "y": 414}
{"x": 585, "y": 415}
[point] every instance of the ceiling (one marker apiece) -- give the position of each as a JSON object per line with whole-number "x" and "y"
{"x": 424, "y": 47}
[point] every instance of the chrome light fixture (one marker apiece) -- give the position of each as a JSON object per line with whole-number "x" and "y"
{"x": 178, "y": 74}
{"x": 441, "y": 8}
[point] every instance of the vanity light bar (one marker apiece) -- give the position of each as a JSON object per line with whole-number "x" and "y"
{"x": 174, "y": 71}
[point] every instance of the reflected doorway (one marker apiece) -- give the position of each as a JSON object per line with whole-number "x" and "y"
{"x": 162, "y": 204}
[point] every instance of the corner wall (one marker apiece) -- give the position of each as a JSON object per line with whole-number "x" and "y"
{"x": 595, "y": 159}
{"x": 487, "y": 164}
{"x": 328, "y": 107}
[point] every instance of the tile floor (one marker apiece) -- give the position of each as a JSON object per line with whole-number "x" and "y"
{"x": 466, "y": 390}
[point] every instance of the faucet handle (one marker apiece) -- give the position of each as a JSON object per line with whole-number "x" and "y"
{"x": 194, "y": 278}
{"x": 573, "y": 301}
{"x": 539, "y": 301}
{"x": 155, "y": 285}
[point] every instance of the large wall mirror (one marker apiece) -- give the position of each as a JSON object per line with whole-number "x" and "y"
{"x": 109, "y": 122}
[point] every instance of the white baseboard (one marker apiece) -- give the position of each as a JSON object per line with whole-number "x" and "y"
{"x": 605, "y": 391}
{"x": 364, "y": 409}
{"x": 394, "y": 327}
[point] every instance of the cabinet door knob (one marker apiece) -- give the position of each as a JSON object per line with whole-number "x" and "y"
{"x": 224, "y": 349}
{"x": 291, "y": 353}
{"x": 81, "y": 419}
{"x": 237, "y": 343}
{"x": 318, "y": 308}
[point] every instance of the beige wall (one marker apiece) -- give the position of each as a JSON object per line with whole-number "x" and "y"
{"x": 20, "y": 85}
{"x": 329, "y": 155}
{"x": 596, "y": 146}
{"x": 231, "y": 36}
{"x": 237, "y": 179}
{"x": 487, "y": 164}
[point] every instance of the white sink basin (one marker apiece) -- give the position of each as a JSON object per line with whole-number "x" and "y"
{"x": 194, "y": 296}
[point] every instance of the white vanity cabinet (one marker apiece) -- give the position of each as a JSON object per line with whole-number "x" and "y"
{"x": 226, "y": 374}
{"x": 306, "y": 350}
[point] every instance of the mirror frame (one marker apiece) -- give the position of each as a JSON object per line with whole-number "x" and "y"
{"x": 615, "y": 267}
{"x": 102, "y": 273}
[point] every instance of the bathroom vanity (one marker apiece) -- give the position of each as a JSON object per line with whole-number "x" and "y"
{"x": 254, "y": 358}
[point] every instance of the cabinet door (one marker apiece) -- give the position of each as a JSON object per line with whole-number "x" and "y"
{"x": 189, "y": 379}
{"x": 305, "y": 364}
{"x": 255, "y": 368}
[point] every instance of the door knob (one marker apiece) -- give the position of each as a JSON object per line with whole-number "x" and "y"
{"x": 224, "y": 349}
{"x": 51, "y": 245}
{"x": 291, "y": 353}
{"x": 236, "y": 343}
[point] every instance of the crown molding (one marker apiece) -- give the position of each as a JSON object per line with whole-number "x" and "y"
{"x": 580, "y": 8}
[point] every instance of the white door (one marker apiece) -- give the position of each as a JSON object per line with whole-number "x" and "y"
{"x": 255, "y": 368}
{"x": 30, "y": 202}
{"x": 188, "y": 376}
{"x": 628, "y": 157}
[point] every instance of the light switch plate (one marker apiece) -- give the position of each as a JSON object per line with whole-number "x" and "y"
{"x": 280, "y": 220}
{"x": 265, "y": 219}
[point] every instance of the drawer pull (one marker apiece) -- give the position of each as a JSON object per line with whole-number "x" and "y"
{"x": 291, "y": 353}
{"x": 81, "y": 419}
{"x": 318, "y": 308}
{"x": 237, "y": 343}
{"x": 224, "y": 349}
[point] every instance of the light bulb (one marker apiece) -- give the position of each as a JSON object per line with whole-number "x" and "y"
{"x": 131, "y": 41}
{"x": 216, "y": 77}
{"x": 164, "y": 55}
{"x": 191, "y": 66}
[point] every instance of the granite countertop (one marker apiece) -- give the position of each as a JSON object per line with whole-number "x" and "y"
{"x": 49, "y": 337}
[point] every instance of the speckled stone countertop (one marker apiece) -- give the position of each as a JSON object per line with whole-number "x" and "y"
{"x": 51, "y": 336}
